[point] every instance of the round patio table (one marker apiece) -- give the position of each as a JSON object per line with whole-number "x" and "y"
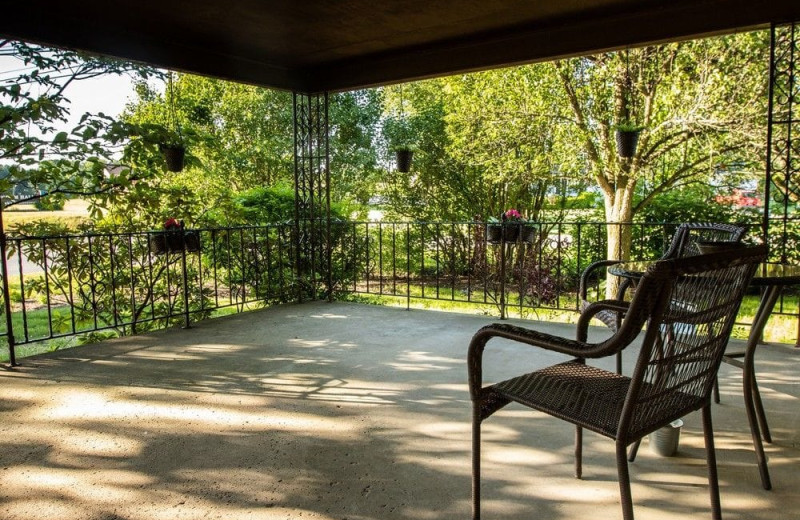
{"x": 771, "y": 278}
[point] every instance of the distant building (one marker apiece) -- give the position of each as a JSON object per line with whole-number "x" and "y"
{"x": 740, "y": 199}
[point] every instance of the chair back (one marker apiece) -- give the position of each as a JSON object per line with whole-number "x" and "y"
{"x": 692, "y": 304}
{"x": 687, "y": 236}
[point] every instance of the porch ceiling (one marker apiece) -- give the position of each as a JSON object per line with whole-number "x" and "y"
{"x": 314, "y": 45}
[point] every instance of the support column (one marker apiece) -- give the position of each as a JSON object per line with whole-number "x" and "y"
{"x": 12, "y": 358}
{"x": 311, "y": 236}
{"x": 782, "y": 186}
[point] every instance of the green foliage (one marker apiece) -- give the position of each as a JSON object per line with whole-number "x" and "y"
{"x": 53, "y": 203}
{"x": 482, "y": 146}
{"x": 34, "y": 103}
{"x": 589, "y": 200}
{"x": 691, "y": 204}
{"x": 354, "y": 121}
{"x": 266, "y": 205}
{"x": 240, "y": 138}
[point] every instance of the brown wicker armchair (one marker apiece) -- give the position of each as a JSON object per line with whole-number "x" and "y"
{"x": 685, "y": 242}
{"x": 695, "y": 299}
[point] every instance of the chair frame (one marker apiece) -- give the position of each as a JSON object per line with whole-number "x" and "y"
{"x": 680, "y": 247}
{"x": 649, "y": 306}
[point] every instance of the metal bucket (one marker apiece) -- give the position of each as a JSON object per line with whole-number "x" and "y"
{"x": 664, "y": 441}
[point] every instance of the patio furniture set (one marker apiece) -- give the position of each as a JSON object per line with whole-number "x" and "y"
{"x": 685, "y": 304}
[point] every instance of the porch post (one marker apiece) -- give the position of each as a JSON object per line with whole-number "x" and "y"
{"x": 312, "y": 216}
{"x": 12, "y": 358}
{"x": 783, "y": 141}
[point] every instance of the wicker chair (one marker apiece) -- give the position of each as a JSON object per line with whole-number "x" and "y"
{"x": 684, "y": 243}
{"x": 695, "y": 298}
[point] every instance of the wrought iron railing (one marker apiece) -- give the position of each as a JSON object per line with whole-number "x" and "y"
{"x": 82, "y": 285}
{"x": 70, "y": 285}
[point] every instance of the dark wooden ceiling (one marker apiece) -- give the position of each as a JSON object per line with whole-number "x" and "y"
{"x": 318, "y": 45}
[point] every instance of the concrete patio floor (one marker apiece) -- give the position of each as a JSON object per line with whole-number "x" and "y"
{"x": 346, "y": 411}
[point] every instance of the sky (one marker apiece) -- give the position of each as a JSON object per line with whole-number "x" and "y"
{"x": 108, "y": 94}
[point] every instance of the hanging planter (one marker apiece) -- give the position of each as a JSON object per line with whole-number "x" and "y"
{"x": 404, "y": 157}
{"x": 627, "y": 139}
{"x": 511, "y": 228}
{"x": 494, "y": 233}
{"x": 174, "y": 156}
{"x": 174, "y": 239}
{"x": 172, "y": 145}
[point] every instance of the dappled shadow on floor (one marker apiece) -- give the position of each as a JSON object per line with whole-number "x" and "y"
{"x": 336, "y": 411}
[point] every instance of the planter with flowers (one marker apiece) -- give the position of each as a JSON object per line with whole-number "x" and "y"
{"x": 627, "y": 137}
{"x": 174, "y": 239}
{"x": 512, "y": 227}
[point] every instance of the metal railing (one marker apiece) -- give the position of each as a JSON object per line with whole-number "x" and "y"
{"x": 82, "y": 285}
{"x": 459, "y": 262}
{"x": 69, "y": 285}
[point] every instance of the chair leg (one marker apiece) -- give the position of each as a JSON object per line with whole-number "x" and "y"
{"x": 711, "y": 459}
{"x": 762, "y": 417}
{"x": 634, "y": 450}
{"x": 716, "y": 390}
{"x": 578, "y": 452}
{"x": 476, "y": 462}
{"x": 624, "y": 481}
{"x": 619, "y": 362}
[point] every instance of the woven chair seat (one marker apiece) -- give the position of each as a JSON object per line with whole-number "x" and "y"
{"x": 588, "y": 397}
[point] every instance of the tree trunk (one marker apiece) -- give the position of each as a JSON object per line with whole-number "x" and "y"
{"x": 619, "y": 215}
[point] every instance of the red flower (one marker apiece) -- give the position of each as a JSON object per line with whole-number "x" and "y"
{"x": 172, "y": 223}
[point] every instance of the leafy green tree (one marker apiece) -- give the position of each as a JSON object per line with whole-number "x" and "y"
{"x": 34, "y": 105}
{"x": 240, "y": 138}
{"x": 485, "y": 142}
{"x": 700, "y": 103}
{"x": 354, "y": 120}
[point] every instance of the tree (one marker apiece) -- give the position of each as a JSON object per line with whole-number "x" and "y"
{"x": 701, "y": 104}
{"x": 34, "y": 104}
{"x": 485, "y": 142}
{"x": 241, "y": 138}
{"x": 354, "y": 129}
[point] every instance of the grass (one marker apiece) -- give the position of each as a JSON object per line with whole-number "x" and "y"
{"x": 780, "y": 328}
{"x": 74, "y": 214}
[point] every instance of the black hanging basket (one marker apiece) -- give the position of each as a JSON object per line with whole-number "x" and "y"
{"x": 404, "y": 158}
{"x": 174, "y": 156}
{"x": 626, "y": 142}
{"x": 174, "y": 242}
{"x": 494, "y": 233}
{"x": 527, "y": 234}
{"x": 510, "y": 232}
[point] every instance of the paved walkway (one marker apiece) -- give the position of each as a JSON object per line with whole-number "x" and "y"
{"x": 344, "y": 411}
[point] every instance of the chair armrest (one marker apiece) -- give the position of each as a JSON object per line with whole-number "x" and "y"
{"x": 578, "y": 349}
{"x": 586, "y": 274}
{"x": 618, "y": 307}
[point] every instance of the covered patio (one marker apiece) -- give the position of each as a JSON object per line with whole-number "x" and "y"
{"x": 346, "y": 411}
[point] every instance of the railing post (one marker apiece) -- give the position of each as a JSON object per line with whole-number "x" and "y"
{"x": 186, "y": 323}
{"x": 12, "y": 358}
{"x": 408, "y": 266}
{"x": 503, "y": 272}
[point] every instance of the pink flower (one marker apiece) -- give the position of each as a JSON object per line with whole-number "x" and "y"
{"x": 513, "y": 214}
